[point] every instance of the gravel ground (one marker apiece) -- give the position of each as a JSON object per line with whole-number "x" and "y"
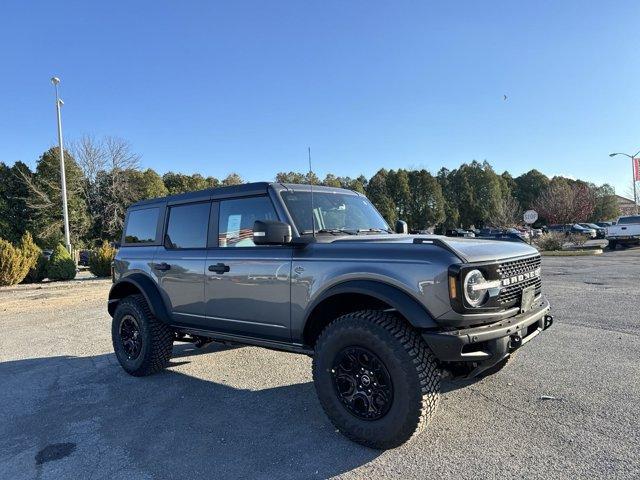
{"x": 69, "y": 411}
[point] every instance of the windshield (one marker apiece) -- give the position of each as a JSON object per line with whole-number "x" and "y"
{"x": 334, "y": 212}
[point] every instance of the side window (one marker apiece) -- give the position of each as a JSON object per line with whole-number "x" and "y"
{"x": 141, "y": 226}
{"x": 188, "y": 225}
{"x": 237, "y": 217}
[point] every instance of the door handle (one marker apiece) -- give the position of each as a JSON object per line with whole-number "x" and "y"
{"x": 162, "y": 266}
{"x": 219, "y": 268}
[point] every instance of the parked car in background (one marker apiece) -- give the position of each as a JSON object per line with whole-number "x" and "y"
{"x": 536, "y": 232}
{"x": 600, "y": 231}
{"x": 579, "y": 229}
{"x": 520, "y": 232}
{"x": 558, "y": 229}
{"x": 83, "y": 257}
{"x": 459, "y": 232}
{"x": 625, "y": 232}
{"x": 500, "y": 234}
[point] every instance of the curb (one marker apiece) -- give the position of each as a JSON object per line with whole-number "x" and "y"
{"x": 572, "y": 253}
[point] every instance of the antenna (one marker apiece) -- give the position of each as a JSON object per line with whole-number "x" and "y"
{"x": 313, "y": 214}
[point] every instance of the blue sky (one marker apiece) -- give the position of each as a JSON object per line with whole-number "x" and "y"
{"x": 215, "y": 87}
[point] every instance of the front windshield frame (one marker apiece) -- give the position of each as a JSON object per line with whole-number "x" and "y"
{"x": 374, "y": 223}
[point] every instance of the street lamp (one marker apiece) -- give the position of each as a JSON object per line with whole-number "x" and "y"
{"x": 63, "y": 181}
{"x": 633, "y": 175}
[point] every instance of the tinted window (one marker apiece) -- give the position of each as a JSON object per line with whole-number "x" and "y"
{"x": 188, "y": 225}
{"x": 628, "y": 220}
{"x": 141, "y": 225}
{"x": 237, "y": 217}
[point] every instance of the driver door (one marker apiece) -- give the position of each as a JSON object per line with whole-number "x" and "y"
{"x": 247, "y": 287}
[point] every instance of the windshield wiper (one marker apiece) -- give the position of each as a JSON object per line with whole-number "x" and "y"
{"x": 373, "y": 230}
{"x": 332, "y": 231}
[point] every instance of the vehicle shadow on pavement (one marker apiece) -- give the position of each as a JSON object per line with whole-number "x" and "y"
{"x": 84, "y": 417}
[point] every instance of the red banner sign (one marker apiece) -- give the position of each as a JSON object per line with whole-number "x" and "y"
{"x": 636, "y": 169}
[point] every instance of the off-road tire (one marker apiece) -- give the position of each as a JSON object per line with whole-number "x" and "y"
{"x": 412, "y": 367}
{"x": 612, "y": 244}
{"x": 157, "y": 338}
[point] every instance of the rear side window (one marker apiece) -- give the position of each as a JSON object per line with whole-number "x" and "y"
{"x": 629, "y": 220}
{"x": 141, "y": 226}
{"x": 237, "y": 217}
{"x": 188, "y": 225}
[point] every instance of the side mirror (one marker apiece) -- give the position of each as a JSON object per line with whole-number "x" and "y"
{"x": 271, "y": 232}
{"x": 402, "y": 227}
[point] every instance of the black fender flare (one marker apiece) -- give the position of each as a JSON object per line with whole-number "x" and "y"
{"x": 406, "y": 305}
{"x": 139, "y": 283}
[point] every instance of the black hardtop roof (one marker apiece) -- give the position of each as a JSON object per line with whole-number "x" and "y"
{"x": 245, "y": 189}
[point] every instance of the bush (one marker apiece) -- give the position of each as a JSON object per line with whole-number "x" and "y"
{"x": 33, "y": 255}
{"x": 577, "y": 239}
{"x": 100, "y": 260}
{"x": 551, "y": 241}
{"x": 14, "y": 265}
{"x": 61, "y": 265}
{"x": 38, "y": 272}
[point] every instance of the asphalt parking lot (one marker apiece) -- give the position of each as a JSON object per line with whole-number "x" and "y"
{"x": 69, "y": 411}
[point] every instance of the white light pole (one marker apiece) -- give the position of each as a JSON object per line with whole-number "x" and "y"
{"x": 633, "y": 175}
{"x": 63, "y": 180}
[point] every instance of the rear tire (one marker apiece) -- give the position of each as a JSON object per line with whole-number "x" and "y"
{"x": 408, "y": 369}
{"x": 141, "y": 342}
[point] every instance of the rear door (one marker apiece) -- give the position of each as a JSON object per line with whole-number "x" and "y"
{"x": 180, "y": 262}
{"x": 247, "y": 288}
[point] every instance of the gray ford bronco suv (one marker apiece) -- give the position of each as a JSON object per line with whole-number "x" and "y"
{"x": 318, "y": 271}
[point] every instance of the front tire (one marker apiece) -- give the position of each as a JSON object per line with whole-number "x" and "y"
{"x": 376, "y": 378}
{"x": 141, "y": 342}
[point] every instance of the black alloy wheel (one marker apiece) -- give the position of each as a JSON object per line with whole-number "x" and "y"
{"x": 130, "y": 336}
{"x": 362, "y": 383}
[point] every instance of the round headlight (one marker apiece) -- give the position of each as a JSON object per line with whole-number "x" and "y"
{"x": 475, "y": 296}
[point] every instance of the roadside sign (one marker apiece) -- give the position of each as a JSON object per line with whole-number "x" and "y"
{"x": 530, "y": 216}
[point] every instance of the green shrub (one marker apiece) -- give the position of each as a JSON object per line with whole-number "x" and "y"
{"x": 551, "y": 241}
{"x": 33, "y": 255}
{"x": 38, "y": 272}
{"x": 14, "y": 265}
{"x": 100, "y": 260}
{"x": 61, "y": 265}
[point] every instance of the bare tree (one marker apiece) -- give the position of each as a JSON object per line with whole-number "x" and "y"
{"x": 562, "y": 202}
{"x": 107, "y": 165}
{"x": 629, "y": 191}
{"x": 507, "y": 213}
{"x": 90, "y": 155}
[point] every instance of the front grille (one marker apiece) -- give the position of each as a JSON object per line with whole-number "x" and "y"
{"x": 511, "y": 294}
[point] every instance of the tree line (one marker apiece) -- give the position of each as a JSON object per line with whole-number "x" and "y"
{"x": 104, "y": 177}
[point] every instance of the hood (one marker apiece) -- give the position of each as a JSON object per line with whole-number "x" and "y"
{"x": 469, "y": 250}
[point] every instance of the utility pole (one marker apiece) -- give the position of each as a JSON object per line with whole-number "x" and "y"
{"x": 63, "y": 180}
{"x": 633, "y": 175}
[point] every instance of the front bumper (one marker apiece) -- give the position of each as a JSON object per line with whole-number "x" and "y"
{"x": 487, "y": 345}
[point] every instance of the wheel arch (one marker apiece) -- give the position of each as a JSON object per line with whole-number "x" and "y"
{"x": 138, "y": 283}
{"x": 354, "y": 295}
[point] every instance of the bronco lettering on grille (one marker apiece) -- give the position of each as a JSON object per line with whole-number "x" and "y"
{"x": 521, "y": 278}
